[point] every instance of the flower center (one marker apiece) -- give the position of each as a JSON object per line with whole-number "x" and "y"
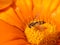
{"x": 36, "y": 31}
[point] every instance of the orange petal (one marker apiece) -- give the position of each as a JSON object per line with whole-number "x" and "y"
{"x": 5, "y": 3}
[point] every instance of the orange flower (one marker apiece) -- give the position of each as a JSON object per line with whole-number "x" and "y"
{"x": 15, "y": 15}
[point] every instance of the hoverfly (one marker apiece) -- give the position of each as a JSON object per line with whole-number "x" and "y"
{"x": 33, "y": 23}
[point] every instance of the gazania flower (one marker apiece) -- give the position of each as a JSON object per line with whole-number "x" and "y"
{"x": 29, "y": 22}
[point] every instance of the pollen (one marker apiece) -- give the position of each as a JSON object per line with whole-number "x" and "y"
{"x": 35, "y": 36}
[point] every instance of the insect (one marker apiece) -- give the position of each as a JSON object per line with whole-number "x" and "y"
{"x": 37, "y": 22}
